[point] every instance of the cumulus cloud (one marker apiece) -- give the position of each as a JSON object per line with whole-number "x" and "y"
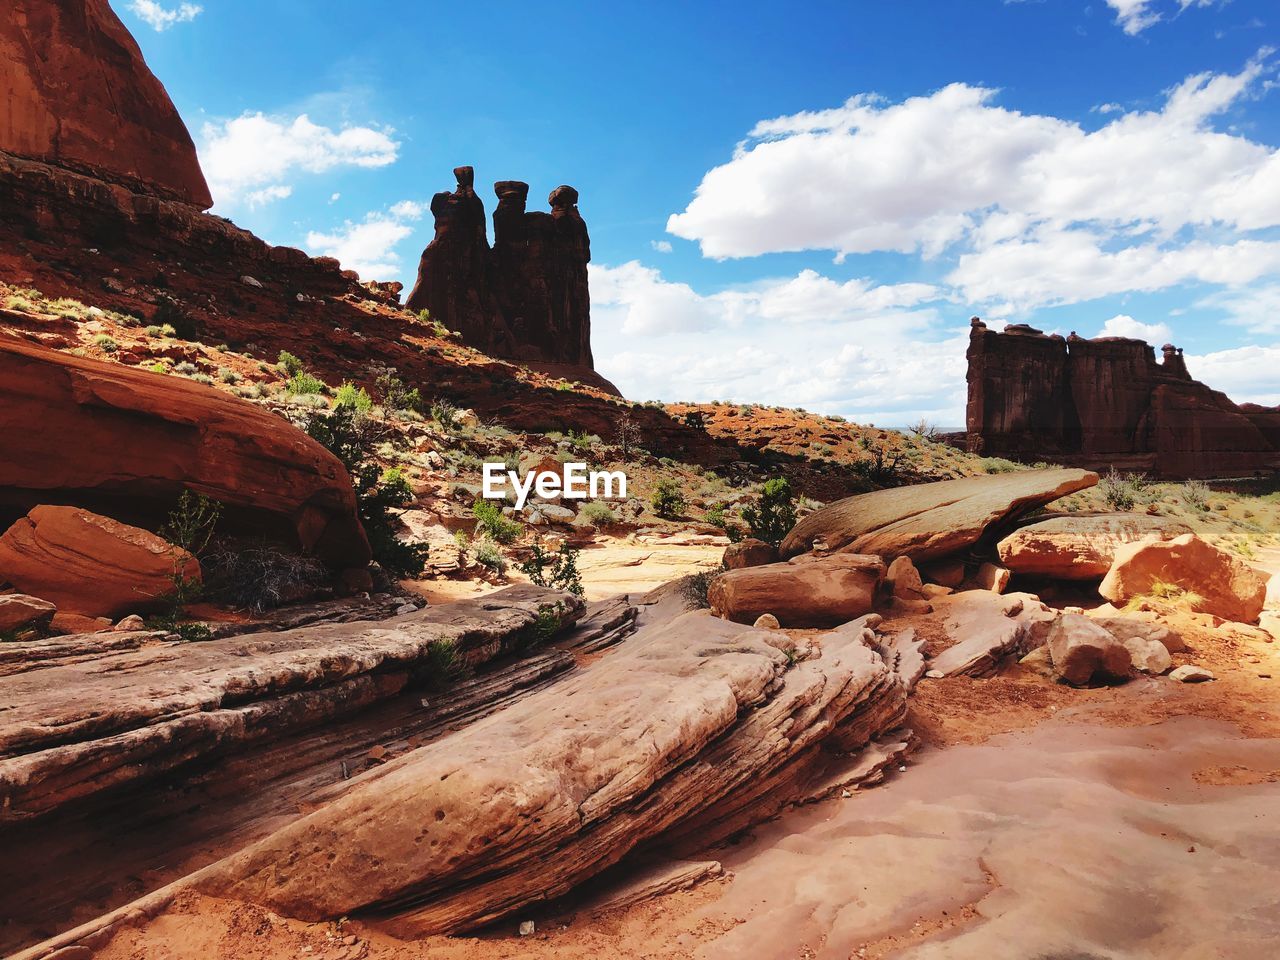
{"x": 1255, "y": 308}
{"x": 853, "y": 347}
{"x": 369, "y": 246}
{"x": 254, "y": 156}
{"x": 1245, "y": 374}
{"x": 160, "y": 17}
{"x": 1123, "y": 325}
{"x": 1033, "y": 206}
{"x": 662, "y": 246}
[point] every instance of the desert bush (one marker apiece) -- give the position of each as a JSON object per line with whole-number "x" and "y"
{"x": 227, "y": 375}
{"x": 486, "y": 553}
{"x": 357, "y": 398}
{"x": 351, "y": 437}
{"x": 189, "y": 529}
{"x": 667, "y": 500}
{"x": 303, "y": 384}
{"x": 1195, "y": 494}
{"x": 258, "y": 576}
{"x": 694, "y": 588}
{"x": 185, "y": 367}
{"x": 444, "y": 413}
{"x": 627, "y": 435}
{"x": 558, "y": 570}
{"x": 997, "y": 465}
{"x": 598, "y": 512}
{"x": 774, "y": 514}
{"x": 105, "y": 343}
{"x": 289, "y": 364}
{"x": 202, "y": 378}
{"x": 492, "y": 524}
{"x": 1122, "y": 491}
{"x": 394, "y": 393}
{"x": 444, "y": 665}
{"x": 882, "y": 467}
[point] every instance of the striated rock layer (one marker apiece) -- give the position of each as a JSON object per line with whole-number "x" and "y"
{"x": 128, "y": 442}
{"x": 526, "y": 299}
{"x": 75, "y": 91}
{"x": 1108, "y": 402}
{"x": 73, "y": 729}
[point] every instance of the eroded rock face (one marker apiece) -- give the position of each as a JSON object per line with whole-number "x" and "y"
{"x": 804, "y": 592}
{"x": 72, "y": 729}
{"x": 90, "y": 565}
{"x": 987, "y": 628}
{"x": 75, "y": 91}
{"x": 679, "y": 725}
{"x": 140, "y": 439}
{"x": 1107, "y": 402}
{"x": 749, "y": 553}
{"x": 931, "y": 520}
{"x": 1227, "y": 587}
{"x": 526, "y": 299}
{"x": 18, "y": 611}
{"x": 1080, "y": 547}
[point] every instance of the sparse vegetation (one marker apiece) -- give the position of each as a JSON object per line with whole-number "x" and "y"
{"x": 258, "y": 576}
{"x": 771, "y": 518}
{"x": 1122, "y": 491}
{"x": 694, "y": 588}
{"x": 105, "y": 343}
{"x": 189, "y": 529}
{"x": 356, "y": 398}
{"x": 486, "y": 553}
{"x": 558, "y": 570}
{"x": 598, "y": 512}
{"x": 1195, "y": 494}
{"x": 492, "y": 524}
{"x": 667, "y": 500}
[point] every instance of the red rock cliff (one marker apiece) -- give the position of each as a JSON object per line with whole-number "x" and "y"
{"x": 1108, "y": 402}
{"x": 75, "y": 92}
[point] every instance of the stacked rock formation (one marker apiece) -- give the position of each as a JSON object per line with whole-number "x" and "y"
{"x": 524, "y": 299}
{"x": 1108, "y": 402}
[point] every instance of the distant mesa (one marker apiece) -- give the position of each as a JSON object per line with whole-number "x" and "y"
{"x": 1108, "y": 402}
{"x": 523, "y": 299}
{"x": 76, "y": 93}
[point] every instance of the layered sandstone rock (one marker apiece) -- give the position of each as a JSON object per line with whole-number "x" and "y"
{"x": 803, "y": 592}
{"x": 74, "y": 728}
{"x": 128, "y": 442}
{"x": 75, "y": 92}
{"x": 1080, "y": 547}
{"x": 674, "y": 728}
{"x": 1083, "y": 652}
{"x": 749, "y": 553}
{"x": 1107, "y": 402}
{"x": 526, "y": 299}
{"x": 1223, "y": 585}
{"x": 18, "y": 611}
{"x": 90, "y": 565}
{"x": 985, "y": 629}
{"x": 931, "y": 520}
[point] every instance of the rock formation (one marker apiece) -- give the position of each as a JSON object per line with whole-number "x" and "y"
{"x": 90, "y": 565}
{"x": 931, "y": 520}
{"x": 1080, "y": 547}
{"x": 1108, "y": 402}
{"x": 128, "y": 442}
{"x": 526, "y": 299}
{"x": 75, "y": 92}
{"x": 806, "y": 591}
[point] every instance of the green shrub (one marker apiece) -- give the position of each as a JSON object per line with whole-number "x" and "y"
{"x": 774, "y": 514}
{"x": 487, "y": 554}
{"x": 154, "y": 330}
{"x": 667, "y": 500}
{"x": 105, "y": 343}
{"x": 718, "y": 516}
{"x": 559, "y": 571}
{"x": 1195, "y": 494}
{"x": 303, "y": 384}
{"x": 357, "y": 398}
{"x": 598, "y": 512}
{"x": 185, "y": 367}
{"x": 1122, "y": 491}
{"x": 189, "y": 530}
{"x": 227, "y": 375}
{"x": 168, "y": 330}
{"x": 491, "y": 523}
{"x": 158, "y": 367}
{"x": 996, "y": 465}
{"x": 348, "y": 436}
{"x": 289, "y": 364}
{"x": 395, "y": 395}
{"x": 444, "y": 413}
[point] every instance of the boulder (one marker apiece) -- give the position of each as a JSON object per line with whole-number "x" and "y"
{"x": 142, "y": 439}
{"x": 1080, "y": 547}
{"x": 767, "y": 621}
{"x": 76, "y": 92}
{"x": 749, "y": 553}
{"x": 1226, "y": 586}
{"x": 931, "y": 520}
{"x": 903, "y": 580}
{"x": 1083, "y": 652}
{"x": 1147, "y": 656}
{"x": 803, "y": 592}
{"x": 985, "y": 628}
{"x": 1136, "y": 627}
{"x": 21, "y": 612}
{"x": 944, "y": 573}
{"x": 1191, "y": 673}
{"x": 991, "y": 576}
{"x": 697, "y": 726}
{"x": 91, "y": 565}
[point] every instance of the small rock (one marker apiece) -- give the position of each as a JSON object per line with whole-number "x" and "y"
{"x": 1190, "y": 673}
{"x": 406, "y": 608}
{"x": 130, "y": 623}
{"x": 993, "y": 577}
{"x": 1149, "y": 656}
{"x": 767, "y": 621}
{"x": 526, "y": 927}
{"x": 249, "y": 281}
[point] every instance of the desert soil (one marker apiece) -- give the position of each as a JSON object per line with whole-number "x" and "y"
{"x": 1036, "y": 821}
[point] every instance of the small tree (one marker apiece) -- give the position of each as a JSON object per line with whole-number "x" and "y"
{"x": 558, "y": 570}
{"x": 667, "y": 500}
{"x": 627, "y": 435}
{"x": 774, "y": 514}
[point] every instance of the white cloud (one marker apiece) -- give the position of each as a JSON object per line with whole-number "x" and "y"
{"x": 1256, "y": 308}
{"x": 159, "y": 17}
{"x": 849, "y": 347}
{"x": 257, "y": 198}
{"x": 369, "y": 246}
{"x": 1134, "y": 16}
{"x": 255, "y": 154}
{"x": 1123, "y": 325}
{"x": 662, "y": 246}
{"x": 1245, "y": 374}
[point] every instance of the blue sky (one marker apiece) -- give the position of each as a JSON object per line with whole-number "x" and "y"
{"x": 793, "y": 204}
